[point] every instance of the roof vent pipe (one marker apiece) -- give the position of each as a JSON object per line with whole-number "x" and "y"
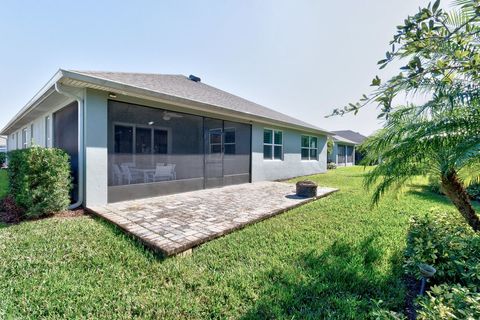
{"x": 194, "y": 78}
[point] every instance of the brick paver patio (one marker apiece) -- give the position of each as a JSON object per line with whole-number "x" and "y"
{"x": 175, "y": 223}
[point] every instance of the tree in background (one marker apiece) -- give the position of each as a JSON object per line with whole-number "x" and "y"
{"x": 441, "y": 65}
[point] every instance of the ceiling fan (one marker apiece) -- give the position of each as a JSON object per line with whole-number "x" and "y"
{"x": 169, "y": 115}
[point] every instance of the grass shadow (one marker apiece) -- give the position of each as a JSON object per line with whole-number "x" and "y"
{"x": 342, "y": 282}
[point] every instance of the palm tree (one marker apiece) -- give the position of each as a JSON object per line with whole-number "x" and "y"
{"x": 441, "y": 144}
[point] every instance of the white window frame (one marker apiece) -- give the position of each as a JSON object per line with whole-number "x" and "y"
{"x": 273, "y": 144}
{"x": 48, "y": 132}
{"x": 31, "y": 133}
{"x": 234, "y": 130}
{"x": 308, "y": 148}
{"x": 24, "y": 138}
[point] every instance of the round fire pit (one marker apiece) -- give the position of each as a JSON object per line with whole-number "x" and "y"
{"x": 306, "y": 189}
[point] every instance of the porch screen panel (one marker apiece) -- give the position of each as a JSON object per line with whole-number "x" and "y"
{"x": 341, "y": 153}
{"x": 236, "y": 159}
{"x": 65, "y": 136}
{"x": 152, "y": 151}
{"x": 349, "y": 154}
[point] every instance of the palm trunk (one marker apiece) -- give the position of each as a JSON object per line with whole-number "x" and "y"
{"x": 455, "y": 191}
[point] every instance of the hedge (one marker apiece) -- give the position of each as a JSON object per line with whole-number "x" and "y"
{"x": 40, "y": 180}
{"x": 3, "y": 157}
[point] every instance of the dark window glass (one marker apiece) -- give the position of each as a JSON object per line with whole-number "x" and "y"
{"x": 143, "y": 140}
{"x": 216, "y": 148}
{"x": 278, "y": 153}
{"x": 160, "y": 141}
{"x": 267, "y": 152}
{"x": 267, "y": 136}
{"x": 305, "y": 154}
{"x": 313, "y": 142}
{"x": 313, "y": 154}
{"x": 229, "y": 135}
{"x": 278, "y": 137}
{"x": 216, "y": 137}
{"x": 230, "y": 149}
{"x": 305, "y": 141}
{"x": 123, "y": 139}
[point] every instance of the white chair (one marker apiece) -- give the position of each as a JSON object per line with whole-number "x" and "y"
{"x": 117, "y": 175}
{"x": 164, "y": 173}
{"x": 129, "y": 175}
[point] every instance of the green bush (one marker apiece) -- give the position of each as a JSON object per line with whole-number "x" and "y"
{"x": 3, "y": 157}
{"x": 473, "y": 191}
{"x": 446, "y": 242}
{"x": 40, "y": 180}
{"x": 449, "y": 302}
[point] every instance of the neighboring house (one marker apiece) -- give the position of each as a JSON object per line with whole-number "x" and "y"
{"x": 135, "y": 135}
{"x": 3, "y": 144}
{"x": 345, "y": 143}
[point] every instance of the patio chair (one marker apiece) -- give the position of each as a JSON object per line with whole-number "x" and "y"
{"x": 164, "y": 172}
{"x": 117, "y": 175}
{"x": 129, "y": 175}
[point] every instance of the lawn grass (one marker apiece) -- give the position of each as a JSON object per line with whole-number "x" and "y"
{"x": 332, "y": 258}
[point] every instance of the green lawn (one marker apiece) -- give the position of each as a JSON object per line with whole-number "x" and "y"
{"x": 332, "y": 258}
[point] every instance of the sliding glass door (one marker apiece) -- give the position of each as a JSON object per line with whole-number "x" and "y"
{"x": 214, "y": 150}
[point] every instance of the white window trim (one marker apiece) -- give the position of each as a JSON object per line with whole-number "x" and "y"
{"x": 308, "y": 148}
{"x": 48, "y": 130}
{"x": 24, "y": 138}
{"x": 273, "y": 145}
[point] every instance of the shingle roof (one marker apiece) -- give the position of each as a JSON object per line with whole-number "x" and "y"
{"x": 350, "y": 135}
{"x": 182, "y": 87}
{"x": 338, "y": 138}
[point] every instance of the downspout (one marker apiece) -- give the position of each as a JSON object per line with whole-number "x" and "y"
{"x": 80, "y": 143}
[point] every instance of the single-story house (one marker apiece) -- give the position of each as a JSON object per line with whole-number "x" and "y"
{"x": 345, "y": 144}
{"x": 3, "y": 144}
{"x": 136, "y": 135}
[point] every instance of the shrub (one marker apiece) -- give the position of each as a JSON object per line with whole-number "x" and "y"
{"x": 449, "y": 302}
{"x": 3, "y": 157}
{"x": 473, "y": 191}
{"x": 40, "y": 180}
{"x": 331, "y": 165}
{"x": 449, "y": 244}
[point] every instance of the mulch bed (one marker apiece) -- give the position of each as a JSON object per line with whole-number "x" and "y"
{"x": 413, "y": 288}
{"x": 14, "y": 218}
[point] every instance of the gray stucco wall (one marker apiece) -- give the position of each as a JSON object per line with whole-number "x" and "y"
{"x": 292, "y": 164}
{"x": 96, "y": 147}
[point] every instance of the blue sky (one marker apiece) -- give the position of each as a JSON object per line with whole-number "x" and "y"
{"x": 300, "y": 57}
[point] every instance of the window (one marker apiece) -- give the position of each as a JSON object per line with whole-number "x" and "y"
{"x": 272, "y": 144}
{"x": 215, "y": 140}
{"x": 309, "y": 148}
{"x": 47, "y": 131}
{"x": 24, "y": 138}
{"x": 146, "y": 140}
{"x": 229, "y": 141}
{"x": 123, "y": 138}
{"x": 31, "y": 134}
